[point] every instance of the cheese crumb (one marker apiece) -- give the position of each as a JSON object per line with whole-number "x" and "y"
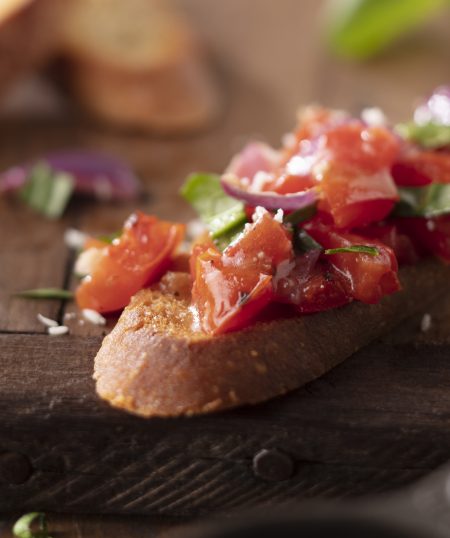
{"x": 74, "y": 238}
{"x": 374, "y": 117}
{"x": 58, "y": 331}
{"x": 279, "y": 216}
{"x": 47, "y": 321}
{"x": 93, "y": 316}
{"x": 425, "y": 324}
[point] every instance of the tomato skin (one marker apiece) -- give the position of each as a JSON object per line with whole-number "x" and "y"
{"x": 324, "y": 290}
{"x": 231, "y": 288}
{"x": 356, "y": 182}
{"x": 391, "y": 236}
{"x": 136, "y": 259}
{"x": 349, "y": 162}
{"x": 312, "y": 286}
{"x": 430, "y": 236}
{"x": 368, "y": 278}
{"x": 416, "y": 168}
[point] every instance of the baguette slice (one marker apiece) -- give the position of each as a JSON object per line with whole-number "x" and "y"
{"x": 28, "y": 37}
{"x": 138, "y": 65}
{"x": 155, "y": 364}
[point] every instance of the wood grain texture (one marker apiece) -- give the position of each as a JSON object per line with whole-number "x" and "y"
{"x": 377, "y": 421}
{"x": 347, "y": 433}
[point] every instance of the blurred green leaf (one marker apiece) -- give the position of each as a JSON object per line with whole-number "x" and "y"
{"x": 430, "y": 135}
{"x": 361, "y": 29}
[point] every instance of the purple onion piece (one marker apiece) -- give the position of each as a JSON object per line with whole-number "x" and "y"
{"x": 268, "y": 200}
{"x": 102, "y": 176}
{"x": 435, "y": 109}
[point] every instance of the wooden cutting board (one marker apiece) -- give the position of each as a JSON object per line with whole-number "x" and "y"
{"x": 379, "y": 420}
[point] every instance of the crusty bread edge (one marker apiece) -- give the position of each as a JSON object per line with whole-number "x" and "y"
{"x": 152, "y": 374}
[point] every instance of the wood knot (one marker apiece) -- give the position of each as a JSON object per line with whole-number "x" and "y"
{"x": 273, "y": 465}
{"x": 15, "y": 468}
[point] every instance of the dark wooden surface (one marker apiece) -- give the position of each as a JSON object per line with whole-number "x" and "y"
{"x": 378, "y": 421}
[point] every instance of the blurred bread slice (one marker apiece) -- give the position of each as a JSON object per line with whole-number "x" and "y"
{"x": 137, "y": 64}
{"x": 28, "y": 37}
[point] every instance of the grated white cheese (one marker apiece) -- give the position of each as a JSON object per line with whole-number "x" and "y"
{"x": 74, "y": 238}
{"x": 58, "y": 331}
{"x": 431, "y": 225}
{"x": 93, "y": 316}
{"x": 374, "y": 117}
{"x": 260, "y": 179}
{"x": 425, "y": 324}
{"x": 47, "y": 321}
{"x": 258, "y": 213}
{"x": 279, "y": 216}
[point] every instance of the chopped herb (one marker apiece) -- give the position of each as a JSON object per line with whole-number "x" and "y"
{"x": 46, "y": 191}
{"x": 354, "y": 249}
{"x": 430, "y": 135}
{"x": 22, "y": 527}
{"x": 224, "y": 240}
{"x": 429, "y": 201}
{"x": 221, "y": 213}
{"x": 46, "y": 293}
{"x": 303, "y": 242}
{"x": 296, "y": 217}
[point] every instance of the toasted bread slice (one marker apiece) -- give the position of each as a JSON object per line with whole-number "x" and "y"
{"x": 28, "y": 37}
{"x": 137, "y": 64}
{"x": 155, "y": 363}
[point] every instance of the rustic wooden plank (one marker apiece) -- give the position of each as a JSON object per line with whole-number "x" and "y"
{"x": 350, "y": 432}
{"x": 33, "y": 255}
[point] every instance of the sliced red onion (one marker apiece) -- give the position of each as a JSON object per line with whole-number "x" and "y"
{"x": 435, "y": 109}
{"x": 269, "y": 200}
{"x": 255, "y": 157}
{"x": 96, "y": 174}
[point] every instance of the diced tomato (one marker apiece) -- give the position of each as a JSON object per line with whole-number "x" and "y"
{"x": 390, "y": 235}
{"x": 431, "y": 236}
{"x": 136, "y": 259}
{"x": 354, "y": 174}
{"x": 201, "y": 245}
{"x": 230, "y": 289}
{"x": 350, "y": 163}
{"x": 368, "y": 278}
{"x": 324, "y": 290}
{"x": 415, "y": 167}
{"x": 311, "y": 286}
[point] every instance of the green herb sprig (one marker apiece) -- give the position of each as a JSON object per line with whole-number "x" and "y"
{"x": 23, "y": 526}
{"x": 354, "y": 249}
{"x": 46, "y": 293}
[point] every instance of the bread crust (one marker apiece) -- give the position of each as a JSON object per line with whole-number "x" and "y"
{"x": 28, "y": 38}
{"x": 173, "y": 97}
{"x": 154, "y": 364}
{"x": 163, "y": 84}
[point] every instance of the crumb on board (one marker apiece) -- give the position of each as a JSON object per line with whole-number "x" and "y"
{"x": 425, "y": 324}
{"x": 47, "y": 321}
{"x": 93, "y": 316}
{"x": 58, "y": 331}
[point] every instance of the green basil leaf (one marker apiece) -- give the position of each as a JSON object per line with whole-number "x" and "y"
{"x": 354, "y": 249}
{"x": 430, "y": 135}
{"x": 300, "y": 215}
{"x": 221, "y": 213}
{"x": 361, "y": 29}
{"x": 47, "y": 192}
{"x": 429, "y": 201}
{"x": 46, "y": 293}
{"x": 22, "y": 527}
{"x": 303, "y": 242}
